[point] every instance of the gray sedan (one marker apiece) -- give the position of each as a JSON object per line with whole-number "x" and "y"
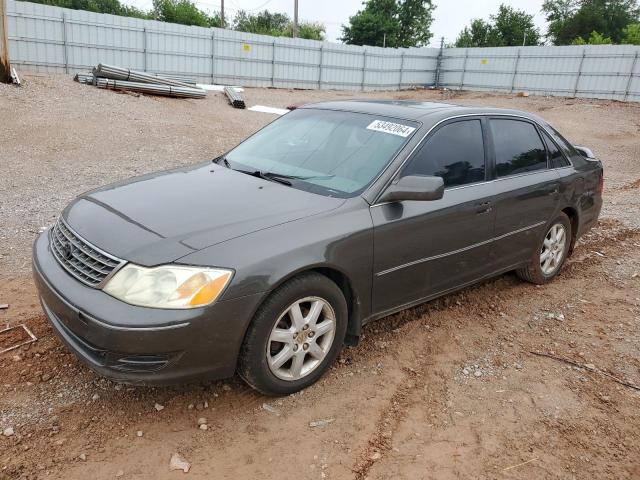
{"x": 269, "y": 259}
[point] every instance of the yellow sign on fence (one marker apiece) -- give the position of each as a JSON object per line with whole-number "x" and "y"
{"x": 246, "y": 48}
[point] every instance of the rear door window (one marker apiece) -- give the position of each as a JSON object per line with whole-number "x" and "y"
{"x": 518, "y": 147}
{"x": 454, "y": 152}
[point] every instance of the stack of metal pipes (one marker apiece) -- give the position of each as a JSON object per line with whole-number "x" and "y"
{"x": 235, "y": 99}
{"x": 118, "y": 78}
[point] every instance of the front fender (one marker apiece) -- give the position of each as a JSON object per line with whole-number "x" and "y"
{"x": 341, "y": 240}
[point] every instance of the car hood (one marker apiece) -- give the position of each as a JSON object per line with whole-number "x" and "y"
{"x": 161, "y": 217}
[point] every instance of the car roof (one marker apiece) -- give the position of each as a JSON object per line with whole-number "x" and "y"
{"x": 414, "y": 110}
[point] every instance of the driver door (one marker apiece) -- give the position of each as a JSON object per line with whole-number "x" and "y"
{"x": 425, "y": 248}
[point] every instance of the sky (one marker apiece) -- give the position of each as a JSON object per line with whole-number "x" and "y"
{"x": 450, "y": 16}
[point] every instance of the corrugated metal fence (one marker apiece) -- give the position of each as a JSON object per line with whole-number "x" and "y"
{"x": 595, "y": 71}
{"x": 53, "y": 39}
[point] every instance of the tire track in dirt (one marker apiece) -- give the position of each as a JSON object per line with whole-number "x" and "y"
{"x": 417, "y": 356}
{"x": 388, "y": 421}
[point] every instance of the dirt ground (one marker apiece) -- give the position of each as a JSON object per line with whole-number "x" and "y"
{"x": 456, "y": 388}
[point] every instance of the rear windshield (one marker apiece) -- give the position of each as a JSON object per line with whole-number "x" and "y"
{"x": 333, "y": 153}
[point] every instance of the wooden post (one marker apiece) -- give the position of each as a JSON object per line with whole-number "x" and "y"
{"x": 5, "y": 66}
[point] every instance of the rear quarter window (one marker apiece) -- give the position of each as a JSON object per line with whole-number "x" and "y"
{"x": 556, "y": 157}
{"x": 576, "y": 159}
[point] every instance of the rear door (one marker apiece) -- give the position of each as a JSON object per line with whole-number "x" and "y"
{"x": 526, "y": 189}
{"x": 422, "y": 248}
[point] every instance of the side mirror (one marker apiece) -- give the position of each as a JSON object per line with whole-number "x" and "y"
{"x": 414, "y": 188}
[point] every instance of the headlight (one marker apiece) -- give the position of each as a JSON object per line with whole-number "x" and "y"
{"x": 169, "y": 286}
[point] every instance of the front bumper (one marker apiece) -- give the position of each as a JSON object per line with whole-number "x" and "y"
{"x": 136, "y": 344}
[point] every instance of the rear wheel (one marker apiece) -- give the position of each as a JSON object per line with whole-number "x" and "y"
{"x": 550, "y": 252}
{"x": 295, "y": 336}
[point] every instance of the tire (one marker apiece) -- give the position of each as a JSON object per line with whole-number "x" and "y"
{"x": 262, "y": 351}
{"x": 536, "y": 272}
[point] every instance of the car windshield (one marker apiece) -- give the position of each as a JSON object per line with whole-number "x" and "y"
{"x": 328, "y": 152}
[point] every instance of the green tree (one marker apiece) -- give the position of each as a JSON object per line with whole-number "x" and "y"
{"x": 415, "y": 18}
{"x": 265, "y": 23}
{"x": 276, "y": 24}
{"x": 391, "y": 23}
{"x": 183, "y": 12}
{"x": 478, "y": 34}
{"x": 631, "y": 34}
{"x": 594, "y": 39}
{"x": 509, "y": 27}
{"x": 112, "y": 7}
{"x": 571, "y": 19}
{"x": 306, "y": 30}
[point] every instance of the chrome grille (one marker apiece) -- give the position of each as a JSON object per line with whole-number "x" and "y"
{"x": 81, "y": 259}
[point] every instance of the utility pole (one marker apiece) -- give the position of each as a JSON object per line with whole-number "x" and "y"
{"x": 222, "y": 13}
{"x": 5, "y": 67}
{"x": 295, "y": 18}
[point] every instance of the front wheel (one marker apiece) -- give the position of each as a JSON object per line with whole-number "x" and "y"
{"x": 295, "y": 335}
{"x": 550, "y": 253}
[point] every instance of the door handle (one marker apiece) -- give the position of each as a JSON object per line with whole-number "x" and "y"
{"x": 484, "y": 207}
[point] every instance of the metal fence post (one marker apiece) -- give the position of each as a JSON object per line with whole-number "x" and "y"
{"x": 273, "y": 62}
{"x": 515, "y": 71}
{"x": 144, "y": 49}
{"x": 633, "y": 67}
{"x": 401, "y": 69}
{"x": 64, "y": 42}
{"x": 464, "y": 68}
{"x": 364, "y": 66}
{"x": 439, "y": 63}
{"x": 575, "y": 87}
{"x": 213, "y": 56}
{"x": 320, "y": 66}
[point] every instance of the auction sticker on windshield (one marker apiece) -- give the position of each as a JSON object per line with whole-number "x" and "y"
{"x": 390, "y": 127}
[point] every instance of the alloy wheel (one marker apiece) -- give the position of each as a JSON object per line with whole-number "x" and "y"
{"x": 301, "y": 338}
{"x": 553, "y": 246}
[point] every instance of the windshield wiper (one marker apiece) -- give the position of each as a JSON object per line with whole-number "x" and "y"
{"x": 224, "y": 161}
{"x": 260, "y": 174}
{"x": 273, "y": 176}
{"x": 298, "y": 177}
